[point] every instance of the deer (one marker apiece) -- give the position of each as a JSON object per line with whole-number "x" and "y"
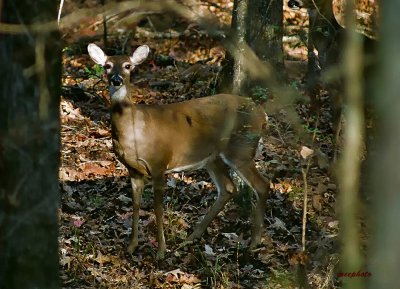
{"x": 218, "y": 133}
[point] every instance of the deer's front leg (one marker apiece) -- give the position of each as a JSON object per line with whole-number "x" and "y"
{"x": 137, "y": 182}
{"x": 158, "y": 188}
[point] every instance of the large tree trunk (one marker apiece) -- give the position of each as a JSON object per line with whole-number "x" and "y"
{"x": 349, "y": 172}
{"x": 233, "y": 75}
{"x": 29, "y": 148}
{"x": 384, "y": 259}
{"x": 259, "y": 25}
{"x": 265, "y": 31}
{"x": 239, "y": 18}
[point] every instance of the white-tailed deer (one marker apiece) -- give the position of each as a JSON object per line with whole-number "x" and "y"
{"x": 211, "y": 132}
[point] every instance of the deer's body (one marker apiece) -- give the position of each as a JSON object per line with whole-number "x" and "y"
{"x": 170, "y": 149}
{"x": 211, "y": 132}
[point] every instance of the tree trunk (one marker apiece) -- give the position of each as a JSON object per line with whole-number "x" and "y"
{"x": 384, "y": 260}
{"x": 239, "y": 26}
{"x": 258, "y": 24}
{"x": 233, "y": 74}
{"x": 349, "y": 172}
{"x": 29, "y": 148}
{"x": 265, "y": 31}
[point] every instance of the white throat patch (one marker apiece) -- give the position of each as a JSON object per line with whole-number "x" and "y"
{"x": 118, "y": 93}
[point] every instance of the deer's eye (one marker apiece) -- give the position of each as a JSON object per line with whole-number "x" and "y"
{"x": 107, "y": 66}
{"x": 128, "y": 66}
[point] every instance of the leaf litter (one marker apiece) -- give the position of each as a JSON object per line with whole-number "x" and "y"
{"x": 95, "y": 212}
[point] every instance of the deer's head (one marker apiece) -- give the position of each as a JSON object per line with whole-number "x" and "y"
{"x": 118, "y": 68}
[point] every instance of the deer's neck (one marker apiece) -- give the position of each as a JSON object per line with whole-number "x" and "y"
{"x": 118, "y": 94}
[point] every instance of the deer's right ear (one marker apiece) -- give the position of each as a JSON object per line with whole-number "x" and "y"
{"x": 97, "y": 55}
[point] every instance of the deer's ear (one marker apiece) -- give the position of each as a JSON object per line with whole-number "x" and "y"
{"x": 97, "y": 54}
{"x": 140, "y": 54}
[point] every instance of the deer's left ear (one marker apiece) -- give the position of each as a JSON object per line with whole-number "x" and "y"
{"x": 140, "y": 54}
{"x": 97, "y": 54}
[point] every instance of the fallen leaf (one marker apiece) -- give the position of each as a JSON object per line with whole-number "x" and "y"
{"x": 333, "y": 224}
{"x": 230, "y": 236}
{"x": 317, "y": 202}
{"x": 299, "y": 258}
{"x": 278, "y": 224}
{"x": 102, "y": 259}
{"x": 174, "y": 273}
{"x": 208, "y": 250}
{"x": 305, "y": 152}
{"x": 124, "y": 199}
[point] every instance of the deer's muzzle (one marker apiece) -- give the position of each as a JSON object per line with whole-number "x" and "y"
{"x": 116, "y": 80}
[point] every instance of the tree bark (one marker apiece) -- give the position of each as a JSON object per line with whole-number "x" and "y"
{"x": 350, "y": 160}
{"x": 29, "y": 148}
{"x": 384, "y": 259}
{"x": 265, "y": 31}
{"x": 258, "y": 24}
{"x": 233, "y": 74}
{"x": 239, "y": 18}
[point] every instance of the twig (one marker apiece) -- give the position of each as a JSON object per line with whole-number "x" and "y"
{"x": 305, "y": 201}
{"x": 59, "y": 11}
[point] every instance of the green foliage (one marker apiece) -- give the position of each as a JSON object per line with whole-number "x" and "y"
{"x": 96, "y": 201}
{"x": 295, "y": 84}
{"x": 147, "y": 195}
{"x": 216, "y": 270}
{"x": 252, "y": 136}
{"x": 325, "y": 32}
{"x": 282, "y": 278}
{"x": 67, "y": 49}
{"x": 73, "y": 49}
{"x": 96, "y": 71}
{"x": 319, "y": 135}
{"x": 212, "y": 91}
{"x": 260, "y": 94}
{"x": 295, "y": 194}
{"x": 313, "y": 130}
{"x": 175, "y": 230}
{"x": 76, "y": 239}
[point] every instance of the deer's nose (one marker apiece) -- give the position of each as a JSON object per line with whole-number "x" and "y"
{"x": 116, "y": 80}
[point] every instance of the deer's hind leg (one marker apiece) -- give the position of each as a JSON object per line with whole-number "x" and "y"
{"x": 219, "y": 173}
{"x": 241, "y": 160}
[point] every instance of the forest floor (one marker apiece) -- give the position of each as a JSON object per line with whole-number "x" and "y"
{"x": 95, "y": 213}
